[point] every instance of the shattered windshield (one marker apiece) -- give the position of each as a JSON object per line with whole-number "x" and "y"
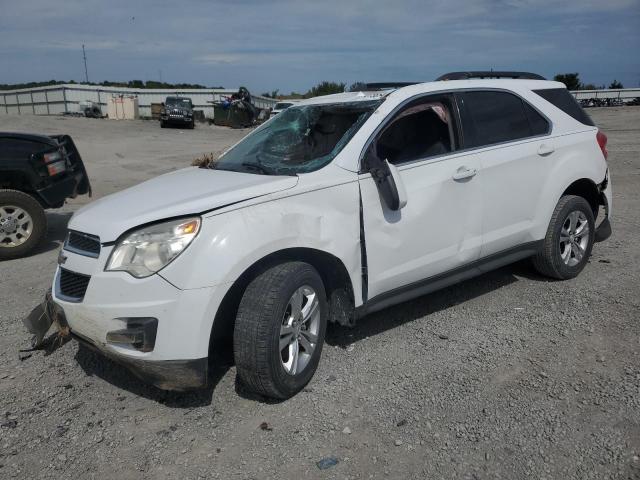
{"x": 178, "y": 102}
{"x": 301, "y": 139}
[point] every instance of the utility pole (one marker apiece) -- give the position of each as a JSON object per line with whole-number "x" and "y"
{"x": 84, "y": 56}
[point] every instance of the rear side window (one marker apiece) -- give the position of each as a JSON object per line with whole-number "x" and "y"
{"x": 561, "y": 98}
{"x": 538, "y": 124}
{"x": 494, "y": 117}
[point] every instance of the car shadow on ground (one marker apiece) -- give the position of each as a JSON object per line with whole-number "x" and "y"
{"x": 398, "y": 315}
{"x": 94, "y": 364}
{"x": 221, "y": 356}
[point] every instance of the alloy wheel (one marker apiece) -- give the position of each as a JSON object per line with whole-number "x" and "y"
{"x": 574, "y": 238}
{"x": 299, "y": 330}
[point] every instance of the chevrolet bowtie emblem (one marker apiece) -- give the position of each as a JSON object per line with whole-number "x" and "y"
{"x": 62, "y": 258}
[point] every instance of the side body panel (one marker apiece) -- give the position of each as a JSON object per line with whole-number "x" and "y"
{"x": 438, "y": 230}
{"x": 320, "y": 217}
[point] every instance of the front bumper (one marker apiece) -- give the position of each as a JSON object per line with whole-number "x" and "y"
{"x": 177, "y": 375}
{"x": 110, "y": 318}
{"x": 176, "y": 119}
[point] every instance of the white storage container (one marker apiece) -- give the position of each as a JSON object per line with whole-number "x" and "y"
{"x": 122, "y": 107}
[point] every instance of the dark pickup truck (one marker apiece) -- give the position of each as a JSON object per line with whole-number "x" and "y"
{"x": 36, "y": 172}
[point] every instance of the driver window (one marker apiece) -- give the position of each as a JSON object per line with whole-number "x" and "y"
{"x": 422, "y": 129}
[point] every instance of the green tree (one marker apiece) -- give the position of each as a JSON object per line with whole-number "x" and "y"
{"x": 272, "y": 93}
{"x": 616, "y": 84}
{"x": 571, "y": 80}
{"x": 325, "y": 88}
{"x": 357, "y": 87}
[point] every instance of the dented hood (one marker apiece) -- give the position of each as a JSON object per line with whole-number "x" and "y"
{"x": 183, "y": 192}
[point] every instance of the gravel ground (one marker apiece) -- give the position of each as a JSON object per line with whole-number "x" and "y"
{"x": 506, "y": 376}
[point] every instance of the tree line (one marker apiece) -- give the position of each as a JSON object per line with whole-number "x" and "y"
{"x": 106, "y": 83}
{"x": 571, "y": 80}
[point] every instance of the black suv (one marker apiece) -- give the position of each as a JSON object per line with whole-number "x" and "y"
{"x": 177, "y": 110}
{"x": 36, "y": 172}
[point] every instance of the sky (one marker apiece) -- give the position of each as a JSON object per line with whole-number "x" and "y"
{"x": 293, "y": 45}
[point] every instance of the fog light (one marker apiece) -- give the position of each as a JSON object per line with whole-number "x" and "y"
{"x": 140, "y": 333}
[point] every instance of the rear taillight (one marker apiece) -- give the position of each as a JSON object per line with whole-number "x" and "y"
{"x": 602, "y": 143}
{"x": 55, "y": 163}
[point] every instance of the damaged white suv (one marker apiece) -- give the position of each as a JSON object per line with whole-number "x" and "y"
{"x": 337, "y": 207}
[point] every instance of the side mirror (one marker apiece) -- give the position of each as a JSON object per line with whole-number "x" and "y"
{"x": 397, "y": 180}
{"x": 388, "y": 181}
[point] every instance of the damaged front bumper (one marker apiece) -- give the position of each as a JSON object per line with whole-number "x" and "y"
{"x": 177, "y": 375}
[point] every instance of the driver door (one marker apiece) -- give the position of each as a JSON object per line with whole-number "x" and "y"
{"x": 440, "y": 228}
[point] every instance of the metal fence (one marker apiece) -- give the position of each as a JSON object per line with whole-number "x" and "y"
{"x": 58, "y": 99}
{"x": 618, "y": 94}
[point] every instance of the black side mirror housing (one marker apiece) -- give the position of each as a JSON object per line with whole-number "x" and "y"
{"x": 381, "y": 174}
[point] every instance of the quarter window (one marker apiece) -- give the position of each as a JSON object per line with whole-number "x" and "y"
{"x": 494, "y": 117}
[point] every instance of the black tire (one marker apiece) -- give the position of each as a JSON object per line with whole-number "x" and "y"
{"x": 256, "y": 337}
{"x": 549, "y": 260}
{"x": 163, "y": 124}
{"x": 32, "y": 207}
{"x": 192, "y": 125}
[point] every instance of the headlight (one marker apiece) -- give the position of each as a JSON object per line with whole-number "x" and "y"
{"x": 145, "y": 251}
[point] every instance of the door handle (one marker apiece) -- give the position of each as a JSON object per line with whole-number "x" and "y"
{"x": 464, "y": 172}
{"x": 545, "y": 149}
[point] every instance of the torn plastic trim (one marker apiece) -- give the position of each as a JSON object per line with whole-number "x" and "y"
{"x": 42, "y": 317}
{"x": 603, "y": 230}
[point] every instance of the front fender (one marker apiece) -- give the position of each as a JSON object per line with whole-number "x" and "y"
{"x": 229, "y": 243}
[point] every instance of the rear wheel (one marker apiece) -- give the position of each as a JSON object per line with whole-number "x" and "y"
{"x": 163, "y": 124}
{"x": 23, "y": 224}
{"x": 279, "y": 330}
{"x": 569, "y": 239}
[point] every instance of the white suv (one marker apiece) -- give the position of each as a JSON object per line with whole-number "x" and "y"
{"x": 337, "y": 207}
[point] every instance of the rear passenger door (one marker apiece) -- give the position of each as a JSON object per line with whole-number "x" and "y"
{"x": 510, "y": 139}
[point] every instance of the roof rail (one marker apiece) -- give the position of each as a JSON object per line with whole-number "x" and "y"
{"x": 388, "y": 85}
{"x": 490, "y": 74}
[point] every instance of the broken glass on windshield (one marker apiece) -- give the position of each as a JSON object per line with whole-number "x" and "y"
{"x": 301, "y": 139}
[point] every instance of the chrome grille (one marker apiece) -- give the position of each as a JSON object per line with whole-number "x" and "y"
{"x": 82, "y": 244}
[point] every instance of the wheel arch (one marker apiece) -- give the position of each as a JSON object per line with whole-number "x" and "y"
{"x": 587, "y": 189}
{"x": 332, "y": 270}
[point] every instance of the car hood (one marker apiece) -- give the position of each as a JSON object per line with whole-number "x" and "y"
{"x": 182, "y": 192}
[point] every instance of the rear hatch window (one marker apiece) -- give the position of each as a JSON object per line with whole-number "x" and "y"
{"x": 561, "y": 98}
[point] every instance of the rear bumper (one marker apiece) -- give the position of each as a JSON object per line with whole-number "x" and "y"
{"x": 54, "y": 195}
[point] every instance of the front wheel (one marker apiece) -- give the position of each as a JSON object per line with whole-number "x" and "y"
{"x": 279, "y": 330}
{"x": 23, "y": 224}
{"x": 569, "y": 239}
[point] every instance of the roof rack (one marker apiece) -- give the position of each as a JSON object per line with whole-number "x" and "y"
{"x": 490, "y": 74}
{"x": 388, "y": 85}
